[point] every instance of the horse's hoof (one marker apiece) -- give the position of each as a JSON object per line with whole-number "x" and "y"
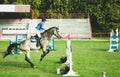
{"x": 33, "y": 66}
{"x": 40, "y": 60}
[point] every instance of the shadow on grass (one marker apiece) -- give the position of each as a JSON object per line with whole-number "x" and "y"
{"x": 14, "y": 64}
{"x": 100, "y": 50}
{"x": 44, "y": 66}
{"x": 2, "y": 53}
{"x": 48, "y": 66}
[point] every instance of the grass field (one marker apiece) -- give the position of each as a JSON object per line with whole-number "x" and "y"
{"x": 90, "y": 59}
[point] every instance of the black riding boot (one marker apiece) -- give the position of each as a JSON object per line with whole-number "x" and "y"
{"x": 38, "y": 41}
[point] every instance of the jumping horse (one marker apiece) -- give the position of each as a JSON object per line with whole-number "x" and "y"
{"x": 26, "y": 45}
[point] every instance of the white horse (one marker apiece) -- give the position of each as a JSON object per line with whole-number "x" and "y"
{"x": 26, "y": 45}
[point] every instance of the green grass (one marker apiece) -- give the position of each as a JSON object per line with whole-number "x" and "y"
{"x": 90, "y": 59}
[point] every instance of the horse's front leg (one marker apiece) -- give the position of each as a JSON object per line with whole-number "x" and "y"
{"x": 45, "y": 52}
{"x": 27, "y": 58}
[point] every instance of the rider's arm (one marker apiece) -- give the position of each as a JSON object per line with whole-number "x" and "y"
{"x": 40, "y": 26}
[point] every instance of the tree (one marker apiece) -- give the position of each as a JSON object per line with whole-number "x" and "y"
{"x": 103, "y": 15}
{"x": 1, "y": 1}
{"x": 54, "y": 8}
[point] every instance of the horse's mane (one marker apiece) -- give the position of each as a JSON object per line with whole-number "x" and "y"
{"x": 48, "y": 32}
{"x": 52, "y": 28}
{"x": 49, "y": 29}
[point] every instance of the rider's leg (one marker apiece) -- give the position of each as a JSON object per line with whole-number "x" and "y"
{"x": 38, "y": 38}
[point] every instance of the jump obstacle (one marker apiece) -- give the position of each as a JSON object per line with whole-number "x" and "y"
{"x": 52, "y": 45}
{"x": 17, "y": 40}
{"x": 69, "y": 58}
{"x": 113, "y": 41}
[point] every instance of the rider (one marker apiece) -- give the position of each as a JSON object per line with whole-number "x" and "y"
{"x": 39, "y": 29}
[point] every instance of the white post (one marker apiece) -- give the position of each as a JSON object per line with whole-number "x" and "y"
{"x": 67, "y": 51}
{"x": 69, "y": 58}
{"x": 110, "y": 49}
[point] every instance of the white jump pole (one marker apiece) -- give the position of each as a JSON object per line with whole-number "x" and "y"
{"x": 69, "y": 57}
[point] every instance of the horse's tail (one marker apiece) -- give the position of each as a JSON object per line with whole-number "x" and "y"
{"x": 10, "y": 48}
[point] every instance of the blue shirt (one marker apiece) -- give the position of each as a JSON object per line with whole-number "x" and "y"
{"x": 40, "y": 26}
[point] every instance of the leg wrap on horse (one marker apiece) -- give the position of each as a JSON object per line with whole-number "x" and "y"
{"x": 44, "y": 54}
{"x": 48, "y": 51}
{"x": 28, "y": 60}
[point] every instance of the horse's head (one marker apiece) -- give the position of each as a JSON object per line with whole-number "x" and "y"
{"x": 55, "y": 31}
{"x": 51, "y": 31}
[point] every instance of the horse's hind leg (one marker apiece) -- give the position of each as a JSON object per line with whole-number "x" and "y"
{"x": 44, "y": 54}
{"x": 27, "y": 58}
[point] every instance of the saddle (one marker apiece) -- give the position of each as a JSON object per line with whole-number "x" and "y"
{"x": 35, "y": 39}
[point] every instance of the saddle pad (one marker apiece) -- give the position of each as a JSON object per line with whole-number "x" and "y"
{"x": 33, "y": 40}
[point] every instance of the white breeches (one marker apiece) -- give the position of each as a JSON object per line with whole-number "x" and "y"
{"x": 39, "y": 32}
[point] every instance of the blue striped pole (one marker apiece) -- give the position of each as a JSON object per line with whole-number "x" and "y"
{"x": 113, "y": 41}
{"x": 52, "y": 46}
{"x": 16, "y": 49}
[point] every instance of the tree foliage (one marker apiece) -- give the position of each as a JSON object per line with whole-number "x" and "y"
{"x": 104, "y": 14}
